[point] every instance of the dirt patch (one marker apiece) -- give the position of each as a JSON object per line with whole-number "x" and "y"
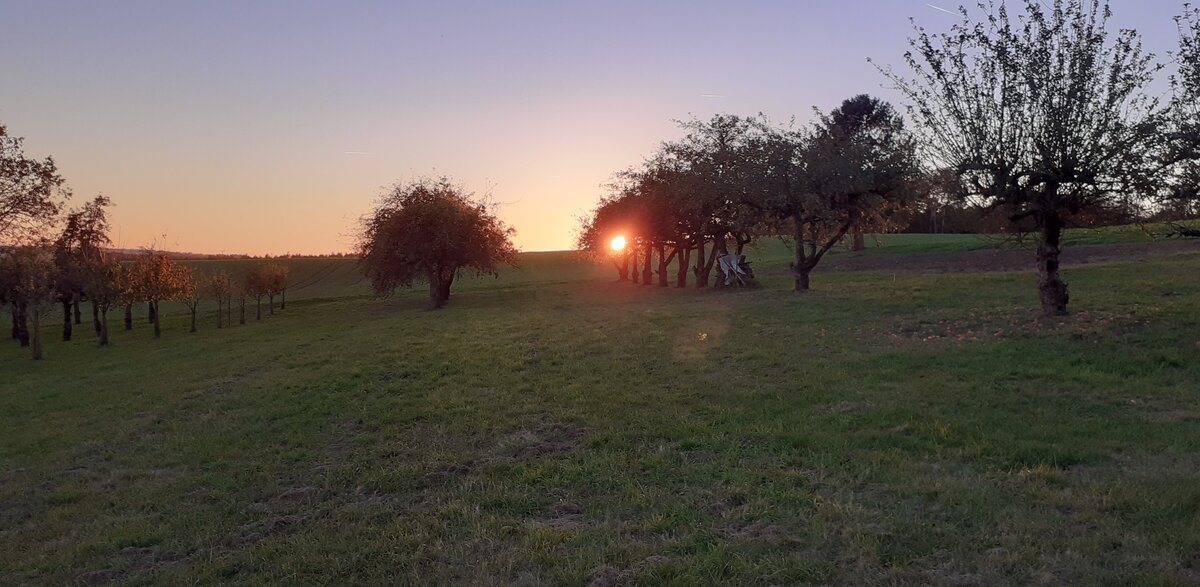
{"x": 756, "y": 532}
{"x": 610, "y": 576}
{"x": 256, "y": 532}
{"x": 98, "y": 577}
{"x": 552, "y": 439}
{"x": 563, "y": 516}
{"x": 989, "y": 260}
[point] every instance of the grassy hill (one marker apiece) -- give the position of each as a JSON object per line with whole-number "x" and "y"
{"x": 553, "y": 427}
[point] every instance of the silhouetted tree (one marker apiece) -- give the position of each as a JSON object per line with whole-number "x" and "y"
{"x": 1043, "y": 114}
{"x": 854, "y": 167}
{"x": 31, "y": 191}
{"x": 433, "y": 230}
{"x": 29, "y": 281}
{"x": 78, "y": 254}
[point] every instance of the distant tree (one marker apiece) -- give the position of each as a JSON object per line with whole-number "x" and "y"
{"x": 31, "y": 191}
{"x": 78, "y": 254}
{"x": 189, "y": 290}
{"x": 1044, "y": 114}
{"x": 273, "y": 281}
{"x": 110, "y": 285}
{"x": 433, "y": 230}
{"x": 219, "y": 287}
{"x": 29, "y": 271}
{"x": 159, "y": 278}
{"x": 254, "y": 284}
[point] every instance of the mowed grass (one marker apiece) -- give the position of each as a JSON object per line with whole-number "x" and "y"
{"x": 554, "y": 427}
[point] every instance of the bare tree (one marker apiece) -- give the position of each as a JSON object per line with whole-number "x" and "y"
{"x": 1043, "y": 114}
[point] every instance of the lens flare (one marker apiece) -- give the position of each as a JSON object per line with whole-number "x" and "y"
{"x": 618, "y": 243}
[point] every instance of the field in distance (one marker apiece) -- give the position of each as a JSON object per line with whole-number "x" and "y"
{"x": 898, "y": 424}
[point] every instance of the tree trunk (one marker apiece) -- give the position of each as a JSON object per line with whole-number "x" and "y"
{"x": 623, "y": 268}
{"x": 15, "y": 329}
{"x": 37, "y": 335}
{"x": 66, "y": 305}
{"x": 283, "y": 300}
{"x": 701, "y": 274}
{"x": 800, "y": 266}
{"x": 633, "y": 256}
{"x": 685, "y": 260}
{"x": 647, "y": 274}
{"x": 860, "y": 242}
{"x": 151, "y": 312}
{"x": 444, "y": 288}
{"x": 1052, "y": 288}
{"x": 157, "y": 318}
{"x": 242, "y": 313}
{"x": 258, "y": 308}
{"x": 663, "y": 263}
{"x": 104, "y": 327}
{"x": 128, "y": 316}
{"x": 435, "y": 291}
{"x": 193, "y": 309}
{"x": 96, "y": 317}
{"x": 271, "y": 304}
{"x": 720, "y": 249}
{"x": 75, "y": 307}
{"x": 22, "y": 313}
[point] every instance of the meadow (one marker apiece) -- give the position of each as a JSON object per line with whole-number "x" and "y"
{"x": 552, "y": 426}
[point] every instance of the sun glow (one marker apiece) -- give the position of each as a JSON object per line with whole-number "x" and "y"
{"x": 618, "y": 243}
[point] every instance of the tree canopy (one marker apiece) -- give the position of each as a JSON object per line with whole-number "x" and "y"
{"x": 432, "y": 230}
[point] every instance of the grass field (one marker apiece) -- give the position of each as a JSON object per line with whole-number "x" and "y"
{"x": 553, "y": 427}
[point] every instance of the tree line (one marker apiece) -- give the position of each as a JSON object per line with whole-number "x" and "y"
{"x": 41, "y": 269}
{"x": 1041, "y": 118}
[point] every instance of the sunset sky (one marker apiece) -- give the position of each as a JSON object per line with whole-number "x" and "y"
{"x": 269, "y": 127}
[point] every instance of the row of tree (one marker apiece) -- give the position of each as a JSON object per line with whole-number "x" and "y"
{"x": 39, "y": 271}
{"x": 1040, "y": 118}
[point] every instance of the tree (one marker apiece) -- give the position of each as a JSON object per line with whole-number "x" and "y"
{"x": 30, "y": 287}
{"x": 254, "y": 285}
{"x": 220, "y": 289}
{"x": 189, "y": 290}
{"x": 1043, "y": 114}
{"x": 432, "y": 230}
{"x": 31, "y": 191}
{"x": 110, "y": 285}
{"x": 158, "y": 278}
{"x": 78, "y": 254}
{"x": 273, "y": 279}
{"x": 853, "y": 168}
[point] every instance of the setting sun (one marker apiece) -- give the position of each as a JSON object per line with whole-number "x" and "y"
{"x": 618, "y": 243}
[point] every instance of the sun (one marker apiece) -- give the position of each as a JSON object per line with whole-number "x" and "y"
{"x": 618, "y": 243}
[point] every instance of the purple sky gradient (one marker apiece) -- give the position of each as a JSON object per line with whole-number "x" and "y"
{"x": 267, "y": 127}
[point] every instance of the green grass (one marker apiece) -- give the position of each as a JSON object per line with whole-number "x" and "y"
{"x": 553, "y": 427}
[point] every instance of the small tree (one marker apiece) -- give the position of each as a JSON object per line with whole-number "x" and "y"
{"x": 433, "y": 230}
{"x": 189, "y": 290}
{"x": 158, "y": 279}
{"x": 273, "y": 278}
{"x": 109, "y": 285}
{"x": 29, "y": 279}
{"x": 254, "y": 285}
{"x": 220, "y": 289}
{"x": 1044, "y": 115}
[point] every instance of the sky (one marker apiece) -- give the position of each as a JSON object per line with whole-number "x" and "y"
{"x": 267, "y": 127}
